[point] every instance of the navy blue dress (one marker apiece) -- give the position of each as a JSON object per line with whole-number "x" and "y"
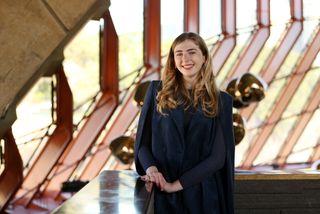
{"x": 187, "y": 145}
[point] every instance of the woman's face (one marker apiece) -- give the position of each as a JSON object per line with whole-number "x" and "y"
{"x": 188, "y": 60}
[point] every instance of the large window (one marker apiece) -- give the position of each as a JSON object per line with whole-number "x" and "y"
{"x": 171, "y": 22}
{"x": 127, "y": 17}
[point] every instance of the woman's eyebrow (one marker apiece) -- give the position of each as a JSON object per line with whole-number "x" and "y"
{"x": 190, "y": 49}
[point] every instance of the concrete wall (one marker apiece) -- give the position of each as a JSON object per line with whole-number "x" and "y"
{"x": 32, "y": 36}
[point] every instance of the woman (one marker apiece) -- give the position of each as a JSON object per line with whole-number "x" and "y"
{"x": 184, "y": 142}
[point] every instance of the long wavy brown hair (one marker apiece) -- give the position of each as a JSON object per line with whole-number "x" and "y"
{"x": 204, "y": 91}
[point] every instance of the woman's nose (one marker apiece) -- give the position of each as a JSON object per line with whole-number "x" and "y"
{"x": 185, "y": 57}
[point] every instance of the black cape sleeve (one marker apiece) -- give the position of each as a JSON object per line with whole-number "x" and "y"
{"x": 142, "y": 148}
{"x": 225, "y": 176}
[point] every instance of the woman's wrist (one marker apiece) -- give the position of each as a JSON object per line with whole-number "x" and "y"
{"x": 151, "y": 169}
{"x": 177, "y": 186}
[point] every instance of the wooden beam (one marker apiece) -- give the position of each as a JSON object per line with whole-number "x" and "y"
{"x": 101, "y": 114}
{"x": 152, "y": 34}
{"x": 191, "y": 16}
{"x": 255, "y": 43}
{"x": 109, "y": 57}
{"x": 55, "y": 145}
{"x": 227, "y": 44}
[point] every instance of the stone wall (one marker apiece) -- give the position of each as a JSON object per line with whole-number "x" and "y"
{"x": 32, "y": 37}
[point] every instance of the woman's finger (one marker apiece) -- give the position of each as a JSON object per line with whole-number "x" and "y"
{"x": 155, "y": 178}
{"x": 163, "y": 183}
{"x": 149, "y": 186}
{"x": 145, "y": 178}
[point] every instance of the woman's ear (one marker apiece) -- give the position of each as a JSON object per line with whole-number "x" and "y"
{"x": 205, "y": 59}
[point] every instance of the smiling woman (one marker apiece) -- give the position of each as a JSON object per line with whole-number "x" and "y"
{"x": 188, "y": 59}
{"x": 184, "y": 143}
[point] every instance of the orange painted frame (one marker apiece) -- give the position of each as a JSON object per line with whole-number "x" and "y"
{"x": 55, "y": 145}
{"x": 101, "y": 114}
{"x": 255, "y": 43}
{"x": 228, "y": 43}
{"x": 128, "y": 112}
{"x": 191, "y": 16}
{"x": 11, "y": 177}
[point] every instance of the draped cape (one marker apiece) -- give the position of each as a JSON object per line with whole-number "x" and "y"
{"x": 202, "y": 157}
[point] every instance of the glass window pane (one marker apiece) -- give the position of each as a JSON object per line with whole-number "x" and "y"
{"x": 244, "y": 145}
{"x": 297, "y": 50}
{"x": 302, "y": 93}
{"x": 276, "y": 33}
{"x": 265, "y": 106}
{"x": 279, "y": 17}
{"x": 171, "y": 22}
{"x": 307, "y": 142}
{"x": 246, "y": 13}
{"x": 128, "y": 21}
{"x": 279, "y": 11}
{"x": 311, "y": 9}
{"x": 81, "y": 66}
{"x": 242, "y": 39}
{"x": 210, "y": 18}
{"x": 35, "y": 107}
{"x": 275, "y": 141}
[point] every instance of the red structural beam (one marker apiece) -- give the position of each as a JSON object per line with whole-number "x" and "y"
{"x": 109, "y": 57}
{"x": 101, "y": 114}
{"x": 191, "y": 16}
{"x": 11, "y": 177}
{"x": 128, "y": 111}
{"x": 279, "y": 54}
{"x": 127, "y": 114}
{"x": 55, "y": 145}
{"x": 299, "y": 126}
{"x": 80, "y": 145}
{"x": 152, "y": 34}
{"x": 255, "y": 43}
{"x": 227, "y": 44}
{"x": 284, "y": 99}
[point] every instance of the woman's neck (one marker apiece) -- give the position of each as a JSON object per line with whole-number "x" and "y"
{"x": 188, "y": 84}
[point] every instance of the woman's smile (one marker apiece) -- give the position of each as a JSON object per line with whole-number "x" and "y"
{"x": 188, "y": 60}
{"x": 188, "y": 66}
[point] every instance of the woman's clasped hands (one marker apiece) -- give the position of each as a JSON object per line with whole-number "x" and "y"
{"x": 153, "y": 176}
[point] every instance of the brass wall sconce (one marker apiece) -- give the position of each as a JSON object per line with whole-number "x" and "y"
{"x": 238, "y": 128}
{"x": 247, "y": 89}
{"x": 123, "y": 149}
{"x": 141, "y": 91}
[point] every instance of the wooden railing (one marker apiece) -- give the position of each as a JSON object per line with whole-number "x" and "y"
{"x": 291, "y": 191}
{"x": 111, "y": 192}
